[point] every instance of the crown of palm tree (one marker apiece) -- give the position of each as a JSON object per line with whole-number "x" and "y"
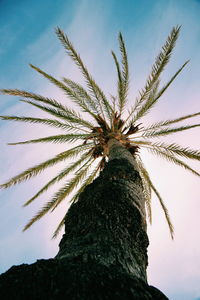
{"x": 108, "y": 123}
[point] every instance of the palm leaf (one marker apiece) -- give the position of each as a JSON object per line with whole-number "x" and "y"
{"x": 69, "y": 92}
{"x": 82, "y": 93}
{"x": 164, "y": 209}
{"x": 119, "y": 84}
{"x": 58, "y": 177}
{"x": 62, "y": 138}
{"x": 33, "y": 171}
{"x": 166, "y": 131}
{"x": 125, "y": 73}
{"x": 58, "y": 197}
{"x": 67, "y": 115}
{"x": 158, "y": 67}
{"x": 94, "y": 88}
{"x": 173, "y": 159}
{"x": 157, "y": 125}
{"x": 150, "y": 102}
{"x": 59, "y": 227}
{"x": 171, "y": 149}
{"x": 86, "y": 182}
{"x": 146, "y": 187}
{"x": 171, "y": 80}
{"x": 25, "y": 94}
{"x": 49, "y": 122}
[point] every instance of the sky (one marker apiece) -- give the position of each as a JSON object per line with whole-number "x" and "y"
{"x": 27, "y": 35}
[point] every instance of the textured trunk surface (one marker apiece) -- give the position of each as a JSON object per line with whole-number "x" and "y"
{"x": 103, "y": 253}
{"x": 107, "y": 224}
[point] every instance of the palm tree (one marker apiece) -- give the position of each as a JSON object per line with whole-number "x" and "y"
{"x": 104, "y": 134}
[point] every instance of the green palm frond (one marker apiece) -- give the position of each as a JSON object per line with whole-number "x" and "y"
{"x": 172, "y": 148}
{"x": 167, "y": 131}
{"x": 150, "y": 102}
{"x": 155, "y": 95}
{"x": 161, "y": 92}
{"x": 59, "y": 227}
{"x": 63, "y": 109}
{"x": 146, "y": 187}
{"x": 62, "y": 138}
{"x": 33, "y": 96}
{"x": 157, "y": 68}
{"x": 171, "y": 228}
{"x": 49, "y": 122}
{"x": 59, "y": 177}
{"x": 120, "y": 82}
{"x": 69, "y": 187}
{"x": 67, "y": 115}
{"x": 94, "y": 88}
{"x": 87, "y": 181}
{"x": 79, "y": 90}
{"x": 160, "y": 124}
{"x": 69, "y": 92}
{"x": 59, "y": 196}
{"x": 173, "y": 159}
{"x": 125, "y": 73}
{"x": 33, "y": 171}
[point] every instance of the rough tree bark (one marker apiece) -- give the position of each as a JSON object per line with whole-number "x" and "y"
{"x": 103, "y": 252}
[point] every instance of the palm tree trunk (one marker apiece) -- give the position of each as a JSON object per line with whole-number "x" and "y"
{"x": 107, "y": 225}
{"x": 103, "y": 253}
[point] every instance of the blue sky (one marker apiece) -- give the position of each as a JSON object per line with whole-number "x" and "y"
{"x": 27, "y": 36}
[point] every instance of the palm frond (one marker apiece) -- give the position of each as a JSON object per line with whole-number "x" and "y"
{"x": 67, "y": 115}
{"x": 125, "y": 73}
{"x": 171, "y": 80}
{"x": 82, "y": 93}
{"x": 164, "y": 209}
{"x": 120, "y": 82}
{"x": 171, "y": 149}
{"x": 87, "y": 181}
{"x": 33, "y": 171}
{"x": 68, "y": 188}
{"x": 166, "y": 131}
{"x": 150, "y": 102}
{"x": 59, "y": 196}
{"x": 94, "y": 88}
{"x": 157, "y": 125}
{"x": 59, "y": 176}
{"x": 49, "y": 122}
{"x": 62, "y": 138}
{"x": 157, "y": 68}
{"x": 75, "y": 197}
{"x": 69, "y": 92}
{"x": 59, "y": 227}
{"x": 173, "y": 159}
{"x": 33, "y": 96}
{"x": 146, "y": 187}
